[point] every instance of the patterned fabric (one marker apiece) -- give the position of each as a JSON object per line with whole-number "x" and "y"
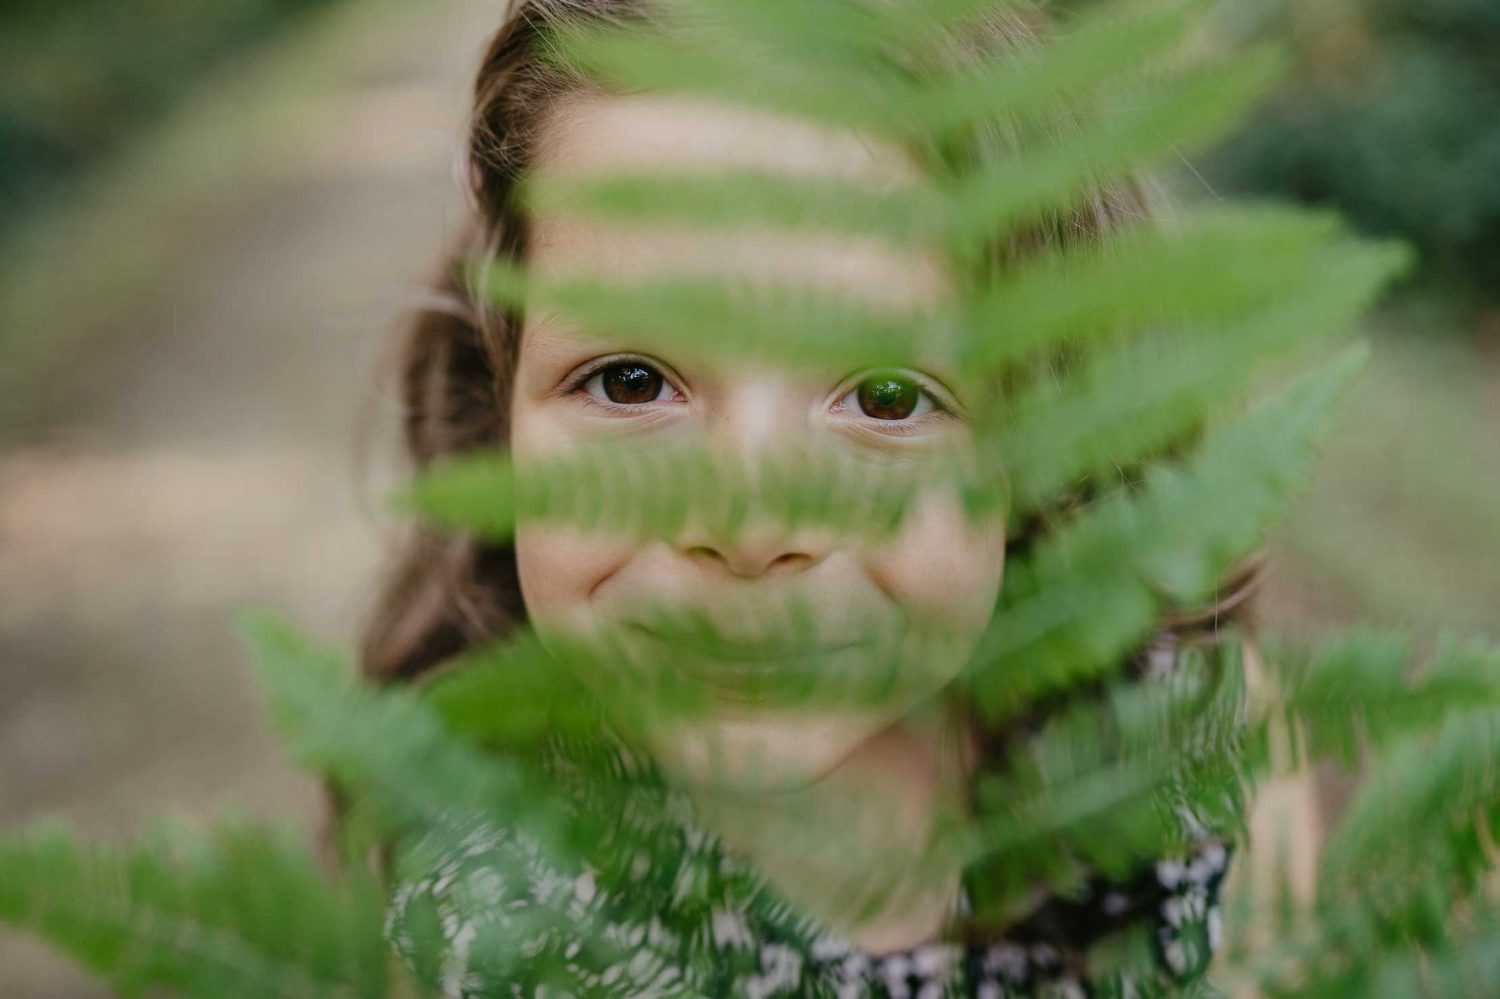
{"x": 661, "y": 908}
{"x": 513, "y": 924}
{"x": 687, "y": 918}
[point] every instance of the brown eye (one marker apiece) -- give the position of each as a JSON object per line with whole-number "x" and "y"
{"x": 628, "y": 383}
{"x": 889, "y": 397}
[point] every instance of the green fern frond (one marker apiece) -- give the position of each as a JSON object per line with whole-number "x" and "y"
{"x": 712, "y": 317}
{"x": 1126, "y": 404}
{"x": 1093, "y": 591}
{"x": 1057, "y": 174}
{"x": 1424, "y": 819}
{"x": 1102, "y": 49}
{"x": 1146, "y": 369}
{"x": 388, "y": 745}
{"x": 1190, "y": 274}
{"x": 235, "y": 911}
{"x": 1374, "y": 671}
{"x": 733, "y": 198}
{"x": 1101, "y": 787}
{"x": 653, "y": 489}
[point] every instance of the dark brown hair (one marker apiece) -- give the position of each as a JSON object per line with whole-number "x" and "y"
{"x": 457, "y": 358}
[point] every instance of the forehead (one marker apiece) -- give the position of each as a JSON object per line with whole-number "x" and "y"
{"x": 591, "y": 133}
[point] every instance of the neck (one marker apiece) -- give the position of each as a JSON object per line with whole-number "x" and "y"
{"x": 856, "y": 849}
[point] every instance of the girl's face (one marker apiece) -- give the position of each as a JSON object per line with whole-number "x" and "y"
{"x": 577, "y": 386}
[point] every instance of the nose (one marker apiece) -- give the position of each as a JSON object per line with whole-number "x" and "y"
{"x": 761, "y": 417}
{"x": 750, "y": 554}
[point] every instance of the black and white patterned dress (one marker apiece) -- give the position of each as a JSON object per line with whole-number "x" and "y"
{"x": 664, "y": 909}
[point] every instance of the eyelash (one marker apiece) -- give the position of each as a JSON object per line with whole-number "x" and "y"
{"x": 906, "y": 426}
{"x": 901, "y": 427}
{"x": 596, "y": 369}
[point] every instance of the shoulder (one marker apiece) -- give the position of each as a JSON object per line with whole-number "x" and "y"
{"x": 1284, "y": 825}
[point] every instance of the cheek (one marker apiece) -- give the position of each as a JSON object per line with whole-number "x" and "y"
{"x": 942, "y": 567}
{"x": 559, "y": 566}
{"x": 560, "y": 569}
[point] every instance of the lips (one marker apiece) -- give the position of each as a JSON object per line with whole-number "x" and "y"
{"x": 754, "y": 673}
{"x": 764, "y": 650}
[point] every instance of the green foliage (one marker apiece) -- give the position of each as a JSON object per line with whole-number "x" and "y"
{"x": 1153, "y": 397}
{"x": 1402, "y": 906}
{"x": 79, "y": 77}
{"x": 1389, "y": 119}
{"x": 238, "y": 911}
{"x": 1092, "y": 592}
{"x": 241, "y": 913}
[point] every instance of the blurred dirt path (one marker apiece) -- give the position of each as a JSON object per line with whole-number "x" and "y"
{"x": 204, "y": 459}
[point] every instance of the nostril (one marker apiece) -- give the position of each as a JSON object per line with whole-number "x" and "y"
{"x": 747, "y": 563}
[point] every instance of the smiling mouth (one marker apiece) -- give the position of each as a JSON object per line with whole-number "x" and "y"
{"x": 748, "y": 675}
{"x": 746, "y": 652}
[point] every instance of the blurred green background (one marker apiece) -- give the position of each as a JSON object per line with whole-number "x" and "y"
{"x": 1391, "y": 115}
{"x": 80, "y": 79}
{"x": 212, "y": 215}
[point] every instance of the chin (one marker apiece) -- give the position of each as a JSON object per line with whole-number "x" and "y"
{"x": 763, "y": 753}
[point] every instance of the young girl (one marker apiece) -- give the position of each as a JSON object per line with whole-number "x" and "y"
{"x": 476, "y": 376}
